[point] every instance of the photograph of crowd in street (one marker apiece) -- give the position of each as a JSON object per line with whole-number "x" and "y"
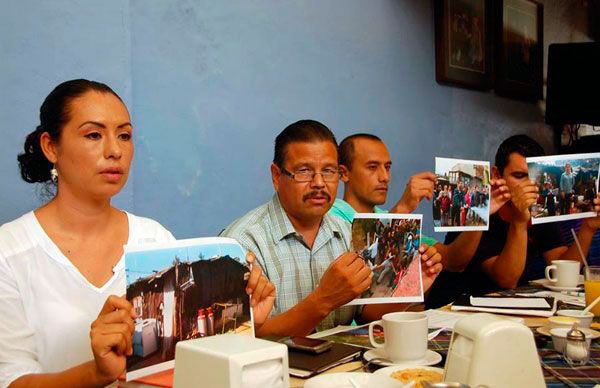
{"x": 567, "y": 186}
{"x": 183, "y": 290}
{"x": 389, "y": 245}
{"x": 461, "y": 196}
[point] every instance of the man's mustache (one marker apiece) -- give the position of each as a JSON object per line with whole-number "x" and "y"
{"x": 316, "y": 193}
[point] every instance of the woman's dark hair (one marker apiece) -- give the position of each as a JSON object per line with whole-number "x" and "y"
{"x": 54, "y": 114}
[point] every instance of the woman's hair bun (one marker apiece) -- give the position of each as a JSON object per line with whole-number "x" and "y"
{"x": 34, "y": 166}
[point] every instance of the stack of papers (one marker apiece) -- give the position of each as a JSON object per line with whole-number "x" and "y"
{"x": 439, "y": 319}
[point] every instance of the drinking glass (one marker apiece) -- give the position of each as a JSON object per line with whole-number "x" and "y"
{"x": 592, "y": 287}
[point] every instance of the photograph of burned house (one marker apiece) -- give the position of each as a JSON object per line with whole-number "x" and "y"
{"x": 567, "y": 186}
{"x": 461, "y": 195}
{"x": 389, "y": 244}
{"x": 182, "y": 290}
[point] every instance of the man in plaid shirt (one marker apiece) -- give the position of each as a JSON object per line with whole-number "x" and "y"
{"x": 304, "y": 251}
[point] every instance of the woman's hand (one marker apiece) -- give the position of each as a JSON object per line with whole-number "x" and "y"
{"x": 261, "y": 290}
{"x": 111, "y": 337}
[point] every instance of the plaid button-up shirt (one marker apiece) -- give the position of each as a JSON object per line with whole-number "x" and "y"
{"x": 286, "y": 259}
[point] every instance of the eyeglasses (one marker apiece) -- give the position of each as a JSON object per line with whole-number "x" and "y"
{"x": 307, "y": 175}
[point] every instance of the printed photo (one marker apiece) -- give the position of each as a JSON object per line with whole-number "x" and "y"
{"x": 461, "y": 196}
{"x": 389, "y": 244}
{"x": 183, "y": 290}
{"x": 567, "y": 186}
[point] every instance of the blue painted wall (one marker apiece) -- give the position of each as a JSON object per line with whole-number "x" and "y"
{"x": 41, "y": 45}
{"x": 210, "y": 84}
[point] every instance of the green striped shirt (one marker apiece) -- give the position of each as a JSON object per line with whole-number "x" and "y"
{"x": 288, "y": 262}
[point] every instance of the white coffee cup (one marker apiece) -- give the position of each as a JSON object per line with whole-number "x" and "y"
{"x": 405, "y": 336}
{"x": 566, "y": 273}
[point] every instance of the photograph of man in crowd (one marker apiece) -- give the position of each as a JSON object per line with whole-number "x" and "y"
{"x": 461, "y": 198}
{"x": 567, "y": 186}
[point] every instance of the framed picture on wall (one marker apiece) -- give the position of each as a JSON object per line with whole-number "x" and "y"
{"x": 519, "y": 49}
{"x": 463, "y": 43}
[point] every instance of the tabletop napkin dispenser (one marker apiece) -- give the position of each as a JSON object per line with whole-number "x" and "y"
{"x": 231, "y": 360}
{"x": 486, "y": 350}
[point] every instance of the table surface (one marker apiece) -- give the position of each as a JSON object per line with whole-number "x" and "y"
{"x": 557, "y": 372}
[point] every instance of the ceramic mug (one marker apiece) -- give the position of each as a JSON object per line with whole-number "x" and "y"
{"x": 566, "y": 273}
{"x": 405, "y": 336}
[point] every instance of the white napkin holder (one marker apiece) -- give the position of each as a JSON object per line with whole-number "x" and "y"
{"x": 491, "y": 351}
{"x": 231, "y": 360}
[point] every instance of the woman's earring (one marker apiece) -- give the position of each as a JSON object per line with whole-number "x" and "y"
{"x": 54, "y": 174}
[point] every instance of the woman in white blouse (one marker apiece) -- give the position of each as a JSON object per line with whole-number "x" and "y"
{"x": 61, "y": 267}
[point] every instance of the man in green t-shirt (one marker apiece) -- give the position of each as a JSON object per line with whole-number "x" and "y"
{"x": 365, "y": 166}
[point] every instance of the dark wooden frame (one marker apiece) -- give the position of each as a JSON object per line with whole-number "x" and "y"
{"x": 445, "y": 72}
{"x": 504, "y": 85}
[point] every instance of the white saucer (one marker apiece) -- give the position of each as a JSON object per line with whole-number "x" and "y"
{"x": 545, "y": 330}
{"x": 555, "y": 288}
{"x": 352, "y": 379}
{"x": 431, "y": 358}
{"x": 549, "y": 285}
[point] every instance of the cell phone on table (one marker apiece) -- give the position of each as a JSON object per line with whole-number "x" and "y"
{"x": 310, "y": 345}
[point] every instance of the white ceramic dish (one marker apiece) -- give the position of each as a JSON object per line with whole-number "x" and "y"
{"x": 544, "y": 282}
{"x": 584, "y": 320}
{"x": 549, "y": 285}
{"x": 559, "y": 337}
{"x": 387, "y": 371}
{"x": 545, "y": 330}
{"x": 352, "y": 380}
{"x": 431, "y": 358}
{"x": 563, "y": 321}
{"x": 556, "y": 288}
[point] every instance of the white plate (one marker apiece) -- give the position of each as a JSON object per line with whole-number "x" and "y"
{"x": 545, "y": 330}
{"x": 343, "y": 380}
{"x": 388, "y": 370}
{"x": 431, "y": 358}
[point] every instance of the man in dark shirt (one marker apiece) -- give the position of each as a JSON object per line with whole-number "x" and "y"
{"x": 512, "y": 251}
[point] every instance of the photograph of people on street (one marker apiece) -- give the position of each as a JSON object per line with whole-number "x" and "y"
{"x": 567, "y": 186}
{"x": 389, "y": 245}
{"x": 461, "y": 196}
{"x": 182, "y": 290}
